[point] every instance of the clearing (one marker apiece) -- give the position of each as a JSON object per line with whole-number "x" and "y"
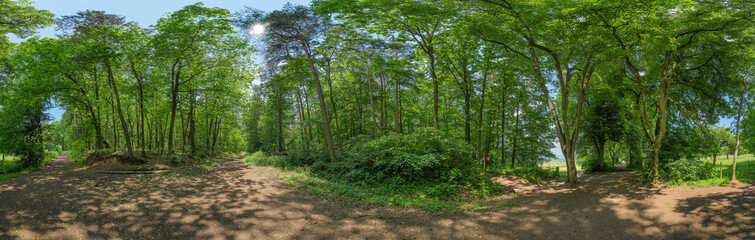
{"x": 236, "y": 201}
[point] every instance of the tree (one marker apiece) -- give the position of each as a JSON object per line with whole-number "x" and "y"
{"x": 20, "y": 19}
{"x": 461, "y": 67}
{"x": 421, "y": 21}
{"x": 605, "y": 120}
{"x": 661, "y": 41}
{"x": 560, "y": 43}
{"x": 183, "y": 43}
{"x": 295, "y": 30}
{"x": 100, "y": 27}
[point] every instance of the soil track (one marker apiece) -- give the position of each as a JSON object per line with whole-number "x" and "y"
{"x": 235, "y": 201}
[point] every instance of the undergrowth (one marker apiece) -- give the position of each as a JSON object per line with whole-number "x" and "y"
{"x": 425, "y": 169}
{"x": 12, "y": 167}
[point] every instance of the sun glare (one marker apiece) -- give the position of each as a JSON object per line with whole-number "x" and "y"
{"x": 257, "y": 30}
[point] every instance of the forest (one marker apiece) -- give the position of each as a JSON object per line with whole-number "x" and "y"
{"x": 424, "y": 104}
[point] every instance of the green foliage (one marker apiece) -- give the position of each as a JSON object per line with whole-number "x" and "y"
{"x": 49, "y": 146}
{"x": 685, "y": 170}
{"x": 77, "y": 150}
{"x": 425, "y": 163}
{"x": 423, "y": 157}
{"x": 531, "y": 174}
{"x": 20, "y": 19}
{"x": 259, "y": 158}
{"x": 173, "y": 158}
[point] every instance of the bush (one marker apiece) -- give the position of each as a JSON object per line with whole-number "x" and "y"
{"x": 426, "y": 161}
{"x": 684, "y": 170}
{"x": 53, "y": 147}
{"x": 259, "y": 158}
{"x": 49, "y": 155}
{"x": 77, "y": 150}
{"x": 420, "y": 156}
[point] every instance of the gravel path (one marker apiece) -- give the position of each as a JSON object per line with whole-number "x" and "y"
{"x": 235, "y": 201}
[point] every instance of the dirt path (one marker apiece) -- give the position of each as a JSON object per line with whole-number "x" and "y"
{"x": 234, "y": 201}
{"x": 61, "y": 161}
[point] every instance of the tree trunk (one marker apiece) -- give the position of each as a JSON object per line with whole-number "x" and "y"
{"x": 124, "y": 125}
{"x": 192, "y": 123}
{"x": 660, "y": 129}
{"x": 467, "y": 117}
{"x": 739, "y": 117}
{"x": 479, "y": 119}
{"x": 301, "y": 114}
{"x": 396, "y": 113}
{"x": 281, "y": 139}
{"x": 631, "y": 158}
{"x": 309, "y": 110}
{"x": 209, "y": 122}
{"x": 100, "y": 140}
{"x": 115, "y": 128}
{"x": 600, "y": 147}
{"x": 382, "y": 102}
{"x": 372, "y": 102}
{"x": 173, "y": 107}
{"x": 141, "y": 106}
{"x": 714, "y": 159}
{"x": 431, "y": 56}
{"x": 503, "y": 126}
{"x": 215, "y": 135}
{"x": 516, "y": 128}
{"x": 335, "y": 111}
{"x": 323, "y": 110}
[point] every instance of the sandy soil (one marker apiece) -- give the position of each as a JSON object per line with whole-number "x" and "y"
{"x": 235, "y": 201}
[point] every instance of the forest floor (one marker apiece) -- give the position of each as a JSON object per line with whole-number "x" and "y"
{"x": 235, "y": 201}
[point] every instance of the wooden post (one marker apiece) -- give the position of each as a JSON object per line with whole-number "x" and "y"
{"x": 485, "y": 162}
{"x": 721, "y": 173}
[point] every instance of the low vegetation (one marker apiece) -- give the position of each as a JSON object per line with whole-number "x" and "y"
{"x": 425, "y": 169}
{"x": 702, "y": 173}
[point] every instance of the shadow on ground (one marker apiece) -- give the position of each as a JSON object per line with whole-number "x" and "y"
{"x": 234, "y": 201}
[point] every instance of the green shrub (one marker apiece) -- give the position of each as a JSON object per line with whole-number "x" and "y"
{"x": 532, "y": 174}
{"x": 259, "y": 158}
{"x": 684, "y": 170}
{"x": 426, "y": 162}
{"x": 77, "y": 150}
{"x": 49, "y": 155}
{"x": 173, "y": 158}
{"x": 421, "y": 156}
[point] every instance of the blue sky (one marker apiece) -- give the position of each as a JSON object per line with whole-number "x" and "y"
{"x": 144, "y": 12}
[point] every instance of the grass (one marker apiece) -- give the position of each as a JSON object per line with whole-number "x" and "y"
{"x": 303, "y": 178}
{"x": 745, "y": 167}
{"x": 12, "y": 168}
{"x": 745, "y": 171}
{"x": 561, "y": 165}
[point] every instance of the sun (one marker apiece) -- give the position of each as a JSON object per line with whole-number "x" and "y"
{"x": 257, "y": 30}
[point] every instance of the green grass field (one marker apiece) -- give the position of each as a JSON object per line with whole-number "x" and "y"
{"x": 10, "y": 167}
{"x": 561, "y": 167}
{"x": 745, "y": 167}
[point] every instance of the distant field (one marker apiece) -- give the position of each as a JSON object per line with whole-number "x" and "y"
{"x": 560, "y": 163}
{"x": 745, "y": 167}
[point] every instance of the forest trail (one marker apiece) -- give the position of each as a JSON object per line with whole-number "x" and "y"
{"x": 236, "y": 201}
{"x": 61, "y": 161}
